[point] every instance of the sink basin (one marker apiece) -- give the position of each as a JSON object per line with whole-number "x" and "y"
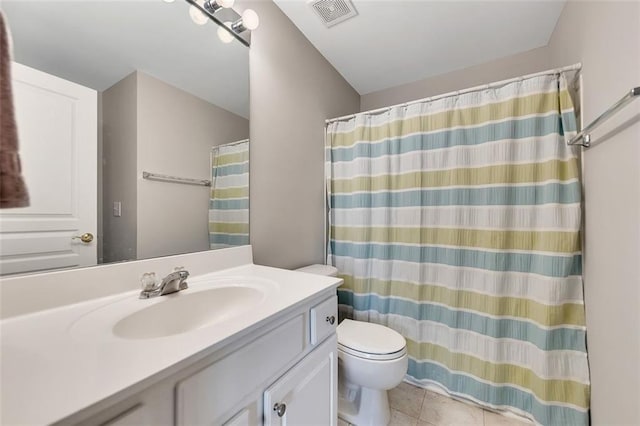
{"x": 183, "y": 311}
{"x": 205, "y": 303}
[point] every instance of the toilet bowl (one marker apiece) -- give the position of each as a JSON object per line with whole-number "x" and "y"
{"x": 372, "y": 359}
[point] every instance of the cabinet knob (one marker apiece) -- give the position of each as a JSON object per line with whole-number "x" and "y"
{"x": 280, "y": 409}
{"x": 331, "y": 319}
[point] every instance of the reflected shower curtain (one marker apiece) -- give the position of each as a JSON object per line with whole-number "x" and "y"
{"x": 456, "y": 222}
{"x": 229, "y": 203}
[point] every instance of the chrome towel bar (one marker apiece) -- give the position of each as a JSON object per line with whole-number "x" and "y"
{"x": 584, "y": 137}
{"x": 175, "y": 179}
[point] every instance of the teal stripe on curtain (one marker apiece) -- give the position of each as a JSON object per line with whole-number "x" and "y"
{"x": 239, "y": 204}
{"x": 551, "y": 266}
{"x": 491, "y": 306}
{"x": 233, "y": 169}
{"x": 228, "y": 239}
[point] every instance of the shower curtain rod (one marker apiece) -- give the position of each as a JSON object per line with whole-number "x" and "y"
{"x": 573, "y": 67}
{"x": 231, "y": 143}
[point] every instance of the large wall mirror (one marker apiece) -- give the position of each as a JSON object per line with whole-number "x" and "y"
{"x": 110, "y": 95}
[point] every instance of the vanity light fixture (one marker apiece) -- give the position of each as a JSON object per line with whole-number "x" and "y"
{"x": 214, "y": 5}
{"x": 232, "y": 24}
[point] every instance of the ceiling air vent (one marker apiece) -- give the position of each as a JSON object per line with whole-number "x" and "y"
{"x": 333, "y": 12}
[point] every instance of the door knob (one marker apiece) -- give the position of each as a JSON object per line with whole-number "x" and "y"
{"x": 86, "y": 238}
{"x": 280, "y": 409}
{"x": 331, "y": 319}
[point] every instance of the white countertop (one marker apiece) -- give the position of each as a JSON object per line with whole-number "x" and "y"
{"x": 49, "y": 372}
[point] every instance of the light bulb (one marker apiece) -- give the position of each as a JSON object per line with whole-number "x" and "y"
{"x": 169, "y": 1}
{"x": 225, "y": 3}
{"x": 224, "y": 35}
{"x": 197, "y": 16}
{"x": 250, "y": 19}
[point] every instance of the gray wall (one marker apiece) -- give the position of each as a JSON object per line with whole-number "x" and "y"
{"x": 500, "y": 69}
{"x": 176, "y": 131}
{"x": 119, "y": 119}
{"x": 293, "y": 90}
{"x": 605, "y": 37}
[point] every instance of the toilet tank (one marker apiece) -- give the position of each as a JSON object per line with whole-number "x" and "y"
{"x": 327, "y": 270}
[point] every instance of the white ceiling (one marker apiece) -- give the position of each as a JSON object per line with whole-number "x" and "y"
{"x": 97, "y": 43}
{"x": 392, "y": 42}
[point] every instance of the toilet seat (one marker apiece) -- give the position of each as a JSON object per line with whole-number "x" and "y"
{"x": 373, "y": 357}
{"x": 370, "y": 341}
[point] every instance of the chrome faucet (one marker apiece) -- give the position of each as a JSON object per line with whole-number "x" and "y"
{"x": 172, "y": 283}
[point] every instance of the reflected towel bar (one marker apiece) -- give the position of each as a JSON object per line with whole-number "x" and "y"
{"x": 175, "y": 179}
{"x": 585, "y": 134}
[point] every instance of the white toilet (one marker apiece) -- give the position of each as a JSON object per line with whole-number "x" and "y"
{"x": 371, "y": 360}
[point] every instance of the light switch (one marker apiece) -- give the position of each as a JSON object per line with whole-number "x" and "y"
{"x": 117, "y": 209}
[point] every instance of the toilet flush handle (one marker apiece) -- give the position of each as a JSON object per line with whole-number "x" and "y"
{"x": 331, "y": 319}
{"x": 280, "y": 409}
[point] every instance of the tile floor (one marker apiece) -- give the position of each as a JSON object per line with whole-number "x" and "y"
{"x": 414, "y": 406}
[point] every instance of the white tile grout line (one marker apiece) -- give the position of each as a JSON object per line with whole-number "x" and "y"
{"x": 424, "y": 396}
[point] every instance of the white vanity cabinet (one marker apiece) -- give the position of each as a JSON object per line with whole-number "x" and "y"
{"x": 306, "y": 395}
{"x": 289, "y": 363}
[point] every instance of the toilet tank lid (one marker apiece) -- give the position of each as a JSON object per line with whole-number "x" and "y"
{"x": 318, "y": 269}
{"x": 369, "y": 338}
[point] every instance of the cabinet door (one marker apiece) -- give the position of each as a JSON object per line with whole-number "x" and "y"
{"x": 307, "y": 394}
{"x": 214, "y": 394}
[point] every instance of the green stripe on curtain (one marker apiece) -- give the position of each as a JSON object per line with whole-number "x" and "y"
{"x": 494, "y": 305}
{"x": 491, "y": 312}
{"x": 490, "y": 175}
{"x": 224, "y": 193}
{"x": 232, "y": 158}
{"x": 229, "y": 227}
{"x": 229, "y": 201}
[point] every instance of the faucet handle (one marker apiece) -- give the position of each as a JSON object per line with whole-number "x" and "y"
{"x": 183, "y": 284}
{"x": 183, "y": 276}
{"x": 149, "y": 281}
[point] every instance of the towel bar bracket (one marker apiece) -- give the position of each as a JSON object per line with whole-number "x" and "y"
{"x": 584, "y": 137}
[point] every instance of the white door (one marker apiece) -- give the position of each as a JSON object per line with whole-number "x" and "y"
{"x": 57, "y": 126}
{"x": 307, "y": 394}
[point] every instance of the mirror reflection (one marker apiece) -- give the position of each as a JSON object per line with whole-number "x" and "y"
{"x": 102, "y": 98}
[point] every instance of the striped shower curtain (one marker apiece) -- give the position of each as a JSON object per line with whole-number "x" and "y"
{"x": 456, "y": 222}
{"x": 229, "y": 202}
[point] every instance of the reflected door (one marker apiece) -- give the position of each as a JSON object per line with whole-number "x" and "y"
{"x": 57, "y": 127}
